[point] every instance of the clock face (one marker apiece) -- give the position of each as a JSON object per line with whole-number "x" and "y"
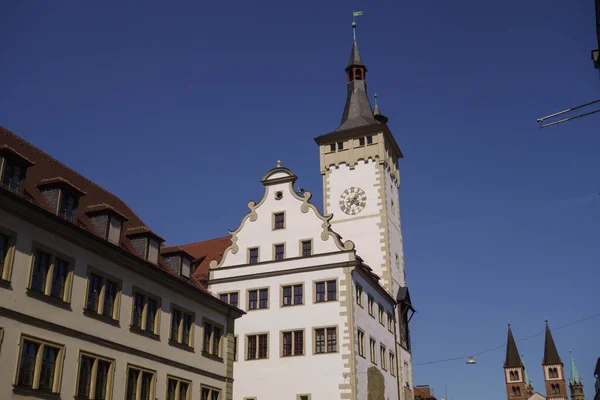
{"x": 353, "y": 200}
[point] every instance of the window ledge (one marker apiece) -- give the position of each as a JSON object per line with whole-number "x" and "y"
{"x": 257, "y": 359}
{"x": 140, "y": 331}
{"x": 291, "y": 305}
{"x": 181, "y": 346}
{"x": 212, "y": 356}
{"x": 40, "y": 394}
{"x": 258, "y": 309}
{"x": 48, "y": 299}
{"x": 291, "y": 355}
{"x": 326, "y": 301}
{"x": 5, "y": 284}
{"x": 326, "y": 352}
{"x": 101, "y": 317}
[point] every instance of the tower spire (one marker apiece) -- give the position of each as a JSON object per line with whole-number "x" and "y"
{"x": 357, "y": 111}
{"x": 512, "y": 353}
{"x": 550, "y": 353}
{"x": 528, "y": 382}
{"x": 575, "y": 379}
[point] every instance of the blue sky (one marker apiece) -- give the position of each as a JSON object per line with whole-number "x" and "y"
{"x": 179, "y": 108}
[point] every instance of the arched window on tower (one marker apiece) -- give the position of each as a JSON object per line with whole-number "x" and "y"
{"x": 516, "y": 391}
{"x": 358, "y": 74}
{"x": 555, "y": 389}
{"x": 511, "y": 374}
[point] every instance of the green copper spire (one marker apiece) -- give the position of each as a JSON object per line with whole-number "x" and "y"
{"x": 575, "y": 379}
{"x": 528, "y": 382}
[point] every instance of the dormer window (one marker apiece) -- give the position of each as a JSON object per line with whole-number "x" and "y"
{"x": 12, "y": 168}
{"x": 68, "y": 206}
{"x": 62, "y": 196}
{"x": 180, "y": 262}
{"x": 145, "y": 242}
{"x": 106, "y": 221}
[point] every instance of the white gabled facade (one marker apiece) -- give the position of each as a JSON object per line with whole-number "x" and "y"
{"x": 331, "y": 363}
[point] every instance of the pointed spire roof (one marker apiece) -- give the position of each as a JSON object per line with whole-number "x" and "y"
{"x": 528, "y": 382}
{"x": 377, "y": 112}
{"x": 550, "y": 353}
{"x": 575, "y": 379}
{"x": 357, "y": 111}
{"x": 355, "y": 60}
{"x": 512, "y": 354}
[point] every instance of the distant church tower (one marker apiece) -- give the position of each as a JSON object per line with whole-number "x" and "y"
{"x": 361, "y": 180}
{"x": 554, "y": 375}
{"x": 575, "y": 383}
{"x": 514, "y": 372}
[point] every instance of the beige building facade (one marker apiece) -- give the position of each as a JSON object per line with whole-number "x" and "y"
{"x": 92, "y": 306}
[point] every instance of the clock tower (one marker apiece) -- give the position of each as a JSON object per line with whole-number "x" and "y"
{"x": 361, "y": 180}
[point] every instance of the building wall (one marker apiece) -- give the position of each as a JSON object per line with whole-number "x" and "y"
{"x": 366, "y": 176}
{"x": 68, "y": 326}
{"x": 319, "y": 376}
{"x": 372, "y": 328}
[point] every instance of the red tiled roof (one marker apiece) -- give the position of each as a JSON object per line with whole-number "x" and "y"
{"x": 205, "y": 252}
{"x": 45, "y": 169}
{"x": 423, "y": 392}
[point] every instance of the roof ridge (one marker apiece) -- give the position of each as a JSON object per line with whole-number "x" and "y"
{"x": 204, "y": 241}
{"x": 24, "y": 142}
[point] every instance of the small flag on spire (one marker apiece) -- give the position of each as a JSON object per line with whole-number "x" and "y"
{"x": 357, "y": 13}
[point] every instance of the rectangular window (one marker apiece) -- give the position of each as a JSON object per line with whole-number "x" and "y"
{"x": 381, "y": 314}
{"x": 258, "y": 346}
{"x": 68, "y": 206}
{"x": 325, "y": 291}
{"x": 235, "y": 348}
{"x": 371, "y": 307}
{"x": 361, "y": 343}
{"x": 325, "y": 340}
{"x": 369, "y": 139}
{"x": 279, "y": 252}
{"x": 212, "y": 339}
{"x": 306, "y": 248}
{"x": 278, "y": 220}
{"x": 103, "y": 296}
{"x": 51, "y": 275}
{"x": 13, "y": 176}
{"x": 207, "y": 393}
{"x": 332, "y": 147}
{"x": 382, "y": 357}
{"x": 359, "y": 295}
{"x": 361, "y": 141}
{"x": 178, "y": 389}
{"x": 6, "y": 246}
{"x": 258, "y": 299}
{"x": 392, "y": 364}
{"x": 145, "y": 313}
{"x": 292, "y": 295}
{"x": 40, "y": 365}
{"x": 253, "y": 255}
{"x": 292, "y": 343}
{"x": 140, "y": 384}
{"x": 373, "y": 350}
{"x": 390, "y": 319}
{"x": 230, "y": 298}
{"x": 182, "y": 327}
{"x": 95, "y": 377}
{"x": 340, "y": 146}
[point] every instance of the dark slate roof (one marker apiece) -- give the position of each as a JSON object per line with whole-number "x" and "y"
{"x": 403, "y": 297}
{"x": 357, "y": 111}
{"x": 512, "y": 353}
{"x": 355, "y": 57}
{"x": 550, "y": 353}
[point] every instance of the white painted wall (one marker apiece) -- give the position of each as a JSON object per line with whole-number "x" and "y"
{"x": 363, "y": 228}
{"x": 372, "y": 328}
{"x": 17, "y": 299}
{"x": 286, "y": 377}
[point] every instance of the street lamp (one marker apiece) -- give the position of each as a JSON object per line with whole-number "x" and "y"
{"x": 471, "y": 360}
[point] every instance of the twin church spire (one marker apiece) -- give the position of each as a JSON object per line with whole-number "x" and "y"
{"x": 519, "y": 386}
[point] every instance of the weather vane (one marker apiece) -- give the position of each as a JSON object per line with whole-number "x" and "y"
{"x": 354, "y": 15}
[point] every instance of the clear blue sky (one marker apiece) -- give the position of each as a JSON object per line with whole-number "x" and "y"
{"x": 180, "y": 107}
